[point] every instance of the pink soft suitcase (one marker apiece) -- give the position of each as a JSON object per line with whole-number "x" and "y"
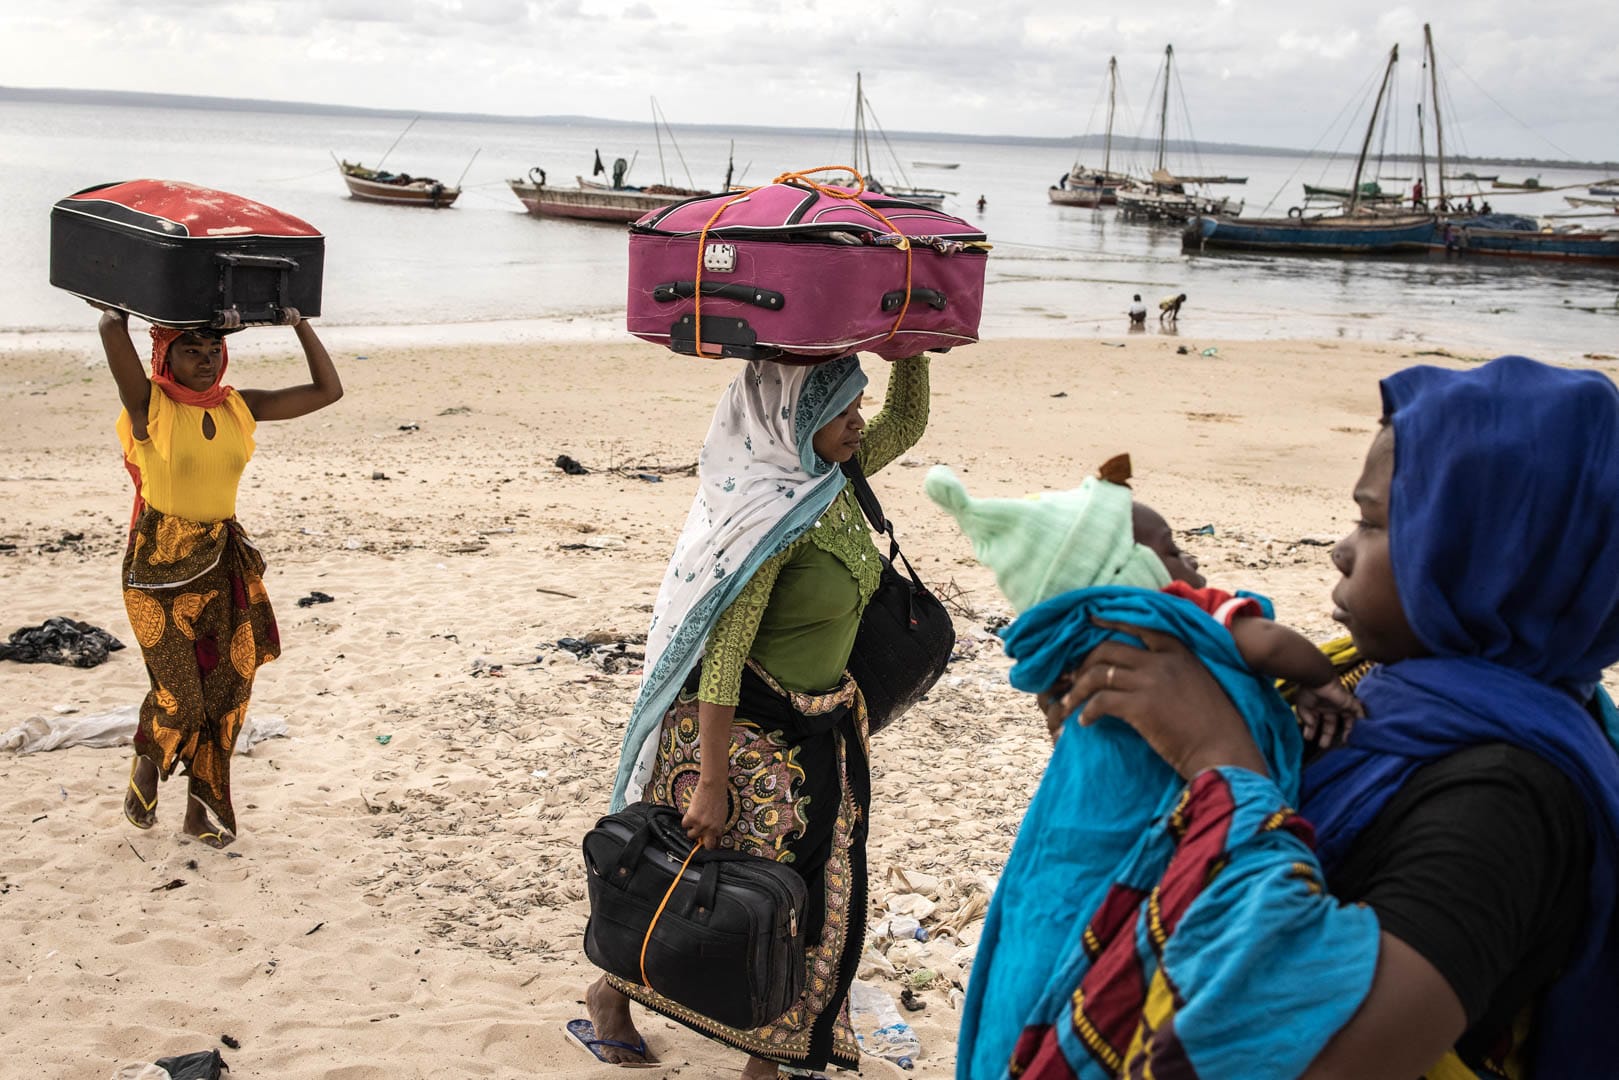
{"x": 788, "y": 272}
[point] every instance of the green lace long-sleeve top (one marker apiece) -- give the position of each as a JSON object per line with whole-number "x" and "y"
{"x": 798, "y": 615}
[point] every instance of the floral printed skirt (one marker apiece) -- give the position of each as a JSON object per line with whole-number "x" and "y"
{"x": 195, "y": 596}
{"x": 800, "y": 794}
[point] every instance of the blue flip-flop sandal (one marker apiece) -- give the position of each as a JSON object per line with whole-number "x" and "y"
{"x": 582, "y": 1033}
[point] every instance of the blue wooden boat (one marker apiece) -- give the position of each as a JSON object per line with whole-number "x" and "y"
{"x": 1515, "y": 237}
{"x": 1360, "y": 235}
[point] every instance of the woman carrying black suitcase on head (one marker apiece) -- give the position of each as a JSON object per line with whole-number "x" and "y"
{"x": 193, "y": 582}
{"x": 748, "y": 721}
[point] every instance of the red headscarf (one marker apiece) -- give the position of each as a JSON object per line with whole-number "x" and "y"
{"x": 163, "y": 378}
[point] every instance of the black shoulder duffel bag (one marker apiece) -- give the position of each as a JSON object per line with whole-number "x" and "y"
{"x": 719, "y": 932}
{"x": 905, "y": 637}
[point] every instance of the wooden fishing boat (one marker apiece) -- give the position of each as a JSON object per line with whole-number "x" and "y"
{"x": 588, "y": 200}
{"x": 1369, "y": 191}
{"x": 1603, "y": 189}
{"x": 1362, "y": 234}
{"x": 1164, "y": 196}
{"x": 936, "y": 164}
{"x": 1525, "y": 238}
{"x": 1531, "y": 184}
{"x": 1478, "y": 177}
{"x": 1359, "y": 229}
{"x": 398, "y": 189}
{"x": 1092, "y": 187}
{"x": 932, "y": 198}
{"x": 1605, "y": 204}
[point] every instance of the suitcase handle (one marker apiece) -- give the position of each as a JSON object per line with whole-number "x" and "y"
{"x": 269, "y": 262}
{"x": 747, "y": 294}
{"x": 235, "y": 260}
{"x": 933, "y": 298}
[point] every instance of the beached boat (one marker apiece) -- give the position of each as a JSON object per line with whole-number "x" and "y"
{"x": 1518, "y": 237}
{"x": 1359, "y": 235}
{"x": 588, "y": 200}
{"x": 1164, "y": 196}
{"x": 1088, "y": 186}
{"x": 932, "y": 198}
{"x": 399, "y": 189}
{"x": 1357, "y": 230}
{"x": 1369, "y": 191}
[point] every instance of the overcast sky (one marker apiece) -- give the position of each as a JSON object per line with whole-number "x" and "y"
{"x": 1270, "y": 72}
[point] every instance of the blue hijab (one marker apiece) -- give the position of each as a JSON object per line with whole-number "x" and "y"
{"x": 1504, "y": 512}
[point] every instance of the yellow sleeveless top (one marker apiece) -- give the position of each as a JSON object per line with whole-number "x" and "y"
{"x": 183, "y": 472}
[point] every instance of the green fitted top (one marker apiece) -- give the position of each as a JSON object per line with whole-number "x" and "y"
{"x": 798, "y": 615}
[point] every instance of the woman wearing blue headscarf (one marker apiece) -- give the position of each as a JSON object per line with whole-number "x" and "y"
{"x": 747, "y": 719}
{"x": 1475, "y": 810}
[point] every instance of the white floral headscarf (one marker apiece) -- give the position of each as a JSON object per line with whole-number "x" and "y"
{"x": 760, "y": 485}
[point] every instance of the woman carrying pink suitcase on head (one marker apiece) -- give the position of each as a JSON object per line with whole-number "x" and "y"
{"x": 748, "y": 720}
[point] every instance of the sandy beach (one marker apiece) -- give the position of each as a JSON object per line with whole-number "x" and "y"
{"x": 407, "y": 897}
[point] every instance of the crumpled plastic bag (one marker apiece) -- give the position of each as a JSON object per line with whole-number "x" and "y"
{"x": 115, "y": 728}
{"x": 203, "y": 1065}
{"x": 141, "y": 1070}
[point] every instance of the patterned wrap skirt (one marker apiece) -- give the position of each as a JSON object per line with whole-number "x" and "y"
{"x": 196, "y": 601}
{"x": 800, "y": 793}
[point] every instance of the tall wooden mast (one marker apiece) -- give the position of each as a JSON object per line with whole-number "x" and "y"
{"x": 1377, "y": 107}
{"x": 1438, "y": 124}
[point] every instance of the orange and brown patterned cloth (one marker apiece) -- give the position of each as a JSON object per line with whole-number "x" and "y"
{"x": 196, "y": 601}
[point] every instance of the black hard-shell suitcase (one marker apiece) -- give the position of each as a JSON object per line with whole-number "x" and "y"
{"x": 181, "y": 255}
{"x": 729, "y": 944}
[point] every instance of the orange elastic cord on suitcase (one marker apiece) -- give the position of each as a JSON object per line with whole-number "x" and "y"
{"x": 803, "y": 177}
{"x": 646, "y": 982}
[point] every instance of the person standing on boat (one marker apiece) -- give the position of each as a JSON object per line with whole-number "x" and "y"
{"x": 1416, "y": 194}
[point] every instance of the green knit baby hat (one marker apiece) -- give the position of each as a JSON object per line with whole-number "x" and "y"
{"x": 1047, "y": 544}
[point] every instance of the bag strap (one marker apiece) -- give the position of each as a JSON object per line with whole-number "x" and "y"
{"x": 873, "y": 510}
{"x": 653, "y": 925}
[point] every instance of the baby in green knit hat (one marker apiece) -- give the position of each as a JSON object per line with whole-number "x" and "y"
{"x": 1097, "y": 534}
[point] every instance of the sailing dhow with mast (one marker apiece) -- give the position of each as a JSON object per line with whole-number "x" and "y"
{"x": 1163, "y": 195}
{"x": 1358, "y": 230}
{"x": 1090, "y": 187}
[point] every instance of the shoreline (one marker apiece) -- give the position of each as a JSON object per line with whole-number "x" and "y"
{"x": 606, "y": 329}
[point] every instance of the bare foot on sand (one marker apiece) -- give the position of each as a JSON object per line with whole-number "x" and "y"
{"x": 610, "y": 1015}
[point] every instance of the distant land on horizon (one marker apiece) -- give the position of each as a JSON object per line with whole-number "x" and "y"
{"x": 68, "y": 96}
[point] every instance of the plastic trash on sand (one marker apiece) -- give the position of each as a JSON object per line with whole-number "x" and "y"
{"x": 878, "y": 1025}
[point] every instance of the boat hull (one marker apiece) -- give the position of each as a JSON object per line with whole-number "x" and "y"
{"x": 1084, "y": 196}
{"x": 585, "y": 204}
{"x": 1600, "y": 247}
{"x": 1318, "y": 236}
{"x": 433, "y": 196}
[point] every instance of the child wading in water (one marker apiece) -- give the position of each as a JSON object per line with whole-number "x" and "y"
{"x": 1098, "y": 535}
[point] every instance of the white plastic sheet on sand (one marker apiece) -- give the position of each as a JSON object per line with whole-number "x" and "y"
{"x": 115, "y": 728}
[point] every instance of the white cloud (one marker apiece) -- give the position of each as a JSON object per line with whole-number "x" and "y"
{"x": 1257, "y": 71}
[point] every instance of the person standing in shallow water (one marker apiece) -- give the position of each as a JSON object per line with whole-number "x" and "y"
{"x": 192, "y": 580}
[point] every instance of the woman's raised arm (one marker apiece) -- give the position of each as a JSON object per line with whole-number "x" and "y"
{"x": 134, "y": 388}
{"x": 289, "y": 402}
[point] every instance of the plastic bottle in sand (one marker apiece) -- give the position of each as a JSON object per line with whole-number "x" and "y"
{"x": 879, "y": 1027}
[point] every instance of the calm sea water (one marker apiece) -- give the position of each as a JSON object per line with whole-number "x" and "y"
{"x": 485, "y": 270}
